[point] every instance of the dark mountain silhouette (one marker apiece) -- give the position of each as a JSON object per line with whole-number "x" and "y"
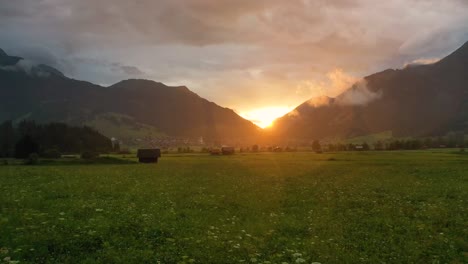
{"x": 419, "y": 100}
{"x": 44, "y": 94}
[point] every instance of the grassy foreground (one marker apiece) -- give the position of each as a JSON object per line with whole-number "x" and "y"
{"x": 369, "y": 207}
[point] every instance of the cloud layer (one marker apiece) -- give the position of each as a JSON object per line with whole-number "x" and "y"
{"x": 240, "y": 53}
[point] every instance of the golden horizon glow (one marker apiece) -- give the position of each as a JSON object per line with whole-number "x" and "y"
{"x": 265, "y": 116}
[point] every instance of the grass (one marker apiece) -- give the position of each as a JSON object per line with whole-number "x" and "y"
{"x": 367, "y": 207}
{"x": 372, "y": 138}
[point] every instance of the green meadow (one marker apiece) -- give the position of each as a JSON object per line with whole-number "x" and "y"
{"x": 360, "y": 207}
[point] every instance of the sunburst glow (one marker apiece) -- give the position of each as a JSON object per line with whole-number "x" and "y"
{"x": 264, "y": 117}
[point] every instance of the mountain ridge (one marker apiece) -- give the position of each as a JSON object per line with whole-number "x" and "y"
{"x": 436, "y": 93}
{"x": 42, "y": 93}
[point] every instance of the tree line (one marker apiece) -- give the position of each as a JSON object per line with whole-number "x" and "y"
{"x": 52, "y": 139}
{"x": 396, "y": 144}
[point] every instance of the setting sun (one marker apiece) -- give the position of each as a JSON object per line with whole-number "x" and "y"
{"x": 264, "y": 117}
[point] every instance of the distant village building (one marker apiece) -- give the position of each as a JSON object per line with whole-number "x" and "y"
{"x": 359, "y": 147}
{"x": 148, "y": 155}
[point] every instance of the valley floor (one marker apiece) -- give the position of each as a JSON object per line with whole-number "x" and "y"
{"x": 366, "y": 207}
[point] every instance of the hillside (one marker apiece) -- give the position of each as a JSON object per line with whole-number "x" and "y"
{"x": 419, "y": 100}
{"x": 44, "y": 94}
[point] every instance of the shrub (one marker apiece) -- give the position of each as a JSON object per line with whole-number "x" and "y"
{"x": 87, "y": 155}
{"x": 32, "y": 159}
{"x": 26, "y": 146}
{"x": 204, "y": 150}
{"x": 52, "y": 154}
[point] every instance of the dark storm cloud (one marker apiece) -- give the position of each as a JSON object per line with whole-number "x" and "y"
{"x": 128, "y": 70}
{"x": 194, "y": 22}
{"x": 131, "y": 70}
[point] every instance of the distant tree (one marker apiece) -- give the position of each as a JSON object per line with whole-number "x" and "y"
{"x": 316, "y": 146}
{"x": 378, "y": 145}
{"x": 116, "y": 146}
{"x": 57, "y": 136}
{"x": 416, "y": 144}
{"x": 395, "y": 145}
{"x": 52, "y": 154}
{"x": 365, "y": 146}
{"x": 32, "y": 159}
{"x": 184, "y": 150}
{"x": 440, "y": 143}
{"x": 428, "y": 143}
{"x": 25, "y": 146}
{"x": 27, "y": 127}
{"x": 88, "y": 155}
{"x": 454, "y": 139}
{"x": 340, "y": 147}
{"x": 460, "y": 138}
{"x": 7, "y": 139}
{"x": 255, "y": 148}
{"x": 406, "y": 144}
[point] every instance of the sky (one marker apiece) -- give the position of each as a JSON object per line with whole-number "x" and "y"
{"x": 261, "y": 58}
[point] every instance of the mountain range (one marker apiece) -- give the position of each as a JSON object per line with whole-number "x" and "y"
{"x": 126, "y": 110}
{"x": 418, "y": 100}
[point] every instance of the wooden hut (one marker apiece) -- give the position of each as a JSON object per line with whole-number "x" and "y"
{"x": 148, "y": 155}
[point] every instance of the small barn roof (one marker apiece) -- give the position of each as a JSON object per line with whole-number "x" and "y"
{"x": 149, "y": 153}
